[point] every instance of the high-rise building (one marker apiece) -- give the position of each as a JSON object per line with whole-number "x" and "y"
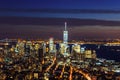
{"x": 44, "y": 48}
{"x": 88, "y": 54}
{"x": 64, "y": 48}
{"x": 40, "y": 54}
{"x": 75, "y": 51}
{"x": 27, "y": 49}
{"x": 82, "y": 53}
{"x": 51, "y": 45}
{"x": 65, "y": 34}
{"x": 76, "y": 48}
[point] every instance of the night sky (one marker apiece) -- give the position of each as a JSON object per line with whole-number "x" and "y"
{"x": 87, "y": 19}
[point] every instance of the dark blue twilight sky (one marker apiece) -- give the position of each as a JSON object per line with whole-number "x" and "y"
{"x": 88, "y": 19}
{"x": 98, "y": 9}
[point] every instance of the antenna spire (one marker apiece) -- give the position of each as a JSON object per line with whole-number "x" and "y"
{"x": 65, "y": 26}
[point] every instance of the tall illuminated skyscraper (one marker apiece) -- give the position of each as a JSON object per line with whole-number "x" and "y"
{"x": 65, "y": 34}
{"x": 64, "y": 48}
{"x": 51, "y": 45}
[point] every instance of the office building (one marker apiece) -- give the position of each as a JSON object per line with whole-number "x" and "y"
{"x": 65, "y": 34}
{"x": 51, "y": 45}
{"x": 64, "y": 48}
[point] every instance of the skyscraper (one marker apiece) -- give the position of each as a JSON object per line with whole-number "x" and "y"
{"x": 65, "y": 34}
{"x": 64, "y": 48}
{"x": 51, "y": 45}
{"x": 40, "y": 54}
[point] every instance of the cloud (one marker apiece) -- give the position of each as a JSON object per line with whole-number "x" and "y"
{"x": 45, "y": 32}
{"x": 56, "y": 21}
{"x": 65, "y": 11}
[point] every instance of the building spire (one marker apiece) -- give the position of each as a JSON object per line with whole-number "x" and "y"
{"x": 65, "y": 26}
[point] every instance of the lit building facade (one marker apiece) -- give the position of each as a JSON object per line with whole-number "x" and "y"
{"x": 76, "y": 48}
{"x": 64, "y": 48}
{"x": 88, "y": 54}
{"x": 51, "y": 45}
{"x": 65, "y": 34}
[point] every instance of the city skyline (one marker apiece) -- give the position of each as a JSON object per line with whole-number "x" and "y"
{"x": 59, "y": 40}
{"x": 54, "y": 27}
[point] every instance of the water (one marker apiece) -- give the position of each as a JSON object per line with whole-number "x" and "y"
{"x": 107, "y": 52}
{"x": 102, "y": 51}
